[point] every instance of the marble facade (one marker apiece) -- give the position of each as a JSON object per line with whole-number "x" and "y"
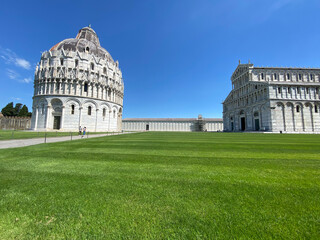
{"x": 273, "y": 99}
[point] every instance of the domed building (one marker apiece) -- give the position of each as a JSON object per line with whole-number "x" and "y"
{"x": 77, "y": 83}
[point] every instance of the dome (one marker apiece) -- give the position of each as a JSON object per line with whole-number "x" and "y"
{"x": 85, "y": 41}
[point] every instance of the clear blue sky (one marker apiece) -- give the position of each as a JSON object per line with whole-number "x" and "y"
{"x": 176, "y": 56}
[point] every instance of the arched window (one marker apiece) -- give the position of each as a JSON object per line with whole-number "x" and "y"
{"x": 89, "y": 110}
{"x": 92, "y": 66}
{"x": 298, "y": 108}
{"x": 72, "y": 109}
{"x": 87, "y": 49}
{"x": 61, "y": 61}
{"x": 114, "y": 113}
{"x": 85, "y": 89}
{"x": 104, "y": 112}
{"x": 76, "y": 62}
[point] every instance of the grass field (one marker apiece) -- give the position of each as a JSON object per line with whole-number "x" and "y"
{"x": 17, "y": 134}
{"x": 163, "y": 186}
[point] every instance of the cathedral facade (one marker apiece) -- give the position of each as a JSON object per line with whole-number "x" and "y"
{"x": 77, "y": 83}
{"x": 274, "y": 99}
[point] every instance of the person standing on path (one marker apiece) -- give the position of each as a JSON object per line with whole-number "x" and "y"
{"x": 84, "y": 131}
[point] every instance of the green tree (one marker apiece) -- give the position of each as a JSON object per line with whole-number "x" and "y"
{"x": 23, "y": 112}
{"x": 8, "y": 110}
{"x": 17, "y": 109}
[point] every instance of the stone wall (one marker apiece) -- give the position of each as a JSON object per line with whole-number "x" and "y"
{"x": 21, "y": 123}
{"x": 173, "y": 124}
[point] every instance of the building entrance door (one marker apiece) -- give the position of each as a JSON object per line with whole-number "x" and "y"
{"x": 56, "y": 122}
{"x": 147, "y": 127}
{"x": 243, "y": 124}
{"x": 257, "y": 124}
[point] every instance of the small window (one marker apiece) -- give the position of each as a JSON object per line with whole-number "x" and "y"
{"x": 256, "y": 87}
{"x": 307, "y": 89}
{"x": 104, "y": 112}
{"x": 300, "y": 76}
{"x": 289, "y": 90}
{"x": 104, "y": 70}
{"x": 275, "y": 76}
{"x": 72, "y": 109}
{"x": 262, "y": 76}
{"x": 316, "y": 108}
{"x": 298, "y": 90}
{"x": 311, "y": 77}
{"x": 114, "y": 113}
{"x": 87, "y": 49}
{"x": 92, "y": 66}
{"x": 279, "y": 89}
{"x": 89, "y": 110}
{"x": 58, "y": 85}
{"x": 76, "y": 63}
{"x": 288, "y": 76}
{"x": 85, "y": 87}
{"x": 298, "y": 108}
{"x": 61, "y": 61}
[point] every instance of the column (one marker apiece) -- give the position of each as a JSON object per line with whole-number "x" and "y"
{"x": 95, "y": 126}
{"x": 102, "y": 92}
{"x": 109, "y": 120}
{"x": 45, "y": 86}
{"x": 54, "y": 87}
{"x": 80, "y": 110}
{"x": 62, "y": 117}
{"x": 48, "y": 117}
{"x": 36, "y": 118}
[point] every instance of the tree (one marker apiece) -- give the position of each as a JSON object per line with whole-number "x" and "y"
{"x": 23, "y": 112}
{"x": 8, "y": 110}
{"x": 17, "y": 109}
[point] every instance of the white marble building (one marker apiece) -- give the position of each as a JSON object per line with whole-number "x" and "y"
{"x": 77, "y": 83}
{"x": 273, "y": 99}
{"x": 173, "y": 124}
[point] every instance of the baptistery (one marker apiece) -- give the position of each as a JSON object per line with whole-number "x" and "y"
{"x": 78, "y": 84}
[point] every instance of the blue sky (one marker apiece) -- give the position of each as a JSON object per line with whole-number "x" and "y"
{"x": 176, "y": 56}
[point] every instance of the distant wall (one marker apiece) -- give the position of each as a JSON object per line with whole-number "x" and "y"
{"x": 173, "y": 124}
{"x": 15, "y": 122}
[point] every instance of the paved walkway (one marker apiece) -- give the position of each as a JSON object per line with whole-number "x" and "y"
{"x": 35, "y": 141}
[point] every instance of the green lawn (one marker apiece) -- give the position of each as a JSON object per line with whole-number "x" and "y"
{"x": 18, "y": 134}
{"x": 163, "y": 186}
